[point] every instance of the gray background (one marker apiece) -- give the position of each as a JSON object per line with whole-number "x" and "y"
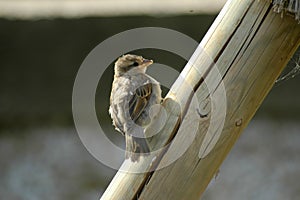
{"x": 41, "y": 156}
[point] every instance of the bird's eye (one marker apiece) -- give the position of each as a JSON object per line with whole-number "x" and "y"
{"x": 135, "y": 64}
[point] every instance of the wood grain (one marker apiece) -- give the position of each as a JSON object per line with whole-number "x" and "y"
{"x": 234, "y": 67}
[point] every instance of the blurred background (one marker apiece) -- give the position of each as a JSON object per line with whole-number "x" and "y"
{"x": 42, "y": 45}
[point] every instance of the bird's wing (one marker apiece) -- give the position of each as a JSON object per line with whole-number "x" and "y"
{"x": 139, "y": 101}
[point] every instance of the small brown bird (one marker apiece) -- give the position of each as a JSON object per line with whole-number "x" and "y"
{"x": 132, "y": 95}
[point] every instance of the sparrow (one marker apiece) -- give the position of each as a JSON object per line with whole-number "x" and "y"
{"x": 132, "y": 96}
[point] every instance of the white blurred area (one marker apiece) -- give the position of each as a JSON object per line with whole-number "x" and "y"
{"x": 39, "y": 59}
{"x": 31, "y": 9}
{"x": 53, "y": 164}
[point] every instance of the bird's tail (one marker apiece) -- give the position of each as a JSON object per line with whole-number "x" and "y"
{"x": 136, "y": 147}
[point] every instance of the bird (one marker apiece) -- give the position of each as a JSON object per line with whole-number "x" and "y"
{"x": 133, "y": 94}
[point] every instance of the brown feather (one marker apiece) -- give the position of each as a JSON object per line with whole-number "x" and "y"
{"x": 139, "y": 101}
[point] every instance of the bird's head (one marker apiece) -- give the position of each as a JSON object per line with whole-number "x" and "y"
{"x": 132, "y": 63}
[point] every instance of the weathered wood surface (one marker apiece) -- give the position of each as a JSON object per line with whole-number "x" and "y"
{"x": 234, "y": 68}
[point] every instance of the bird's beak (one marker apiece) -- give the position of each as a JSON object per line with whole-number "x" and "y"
{"x": 147, "y": 62}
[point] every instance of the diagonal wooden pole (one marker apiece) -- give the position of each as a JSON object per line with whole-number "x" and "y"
{"x": 234, "y": 67}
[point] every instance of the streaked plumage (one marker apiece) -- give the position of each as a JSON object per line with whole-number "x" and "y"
{"x": 133, "y": 93}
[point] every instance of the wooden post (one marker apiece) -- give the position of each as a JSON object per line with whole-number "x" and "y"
{"x": 242, "y": 54}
